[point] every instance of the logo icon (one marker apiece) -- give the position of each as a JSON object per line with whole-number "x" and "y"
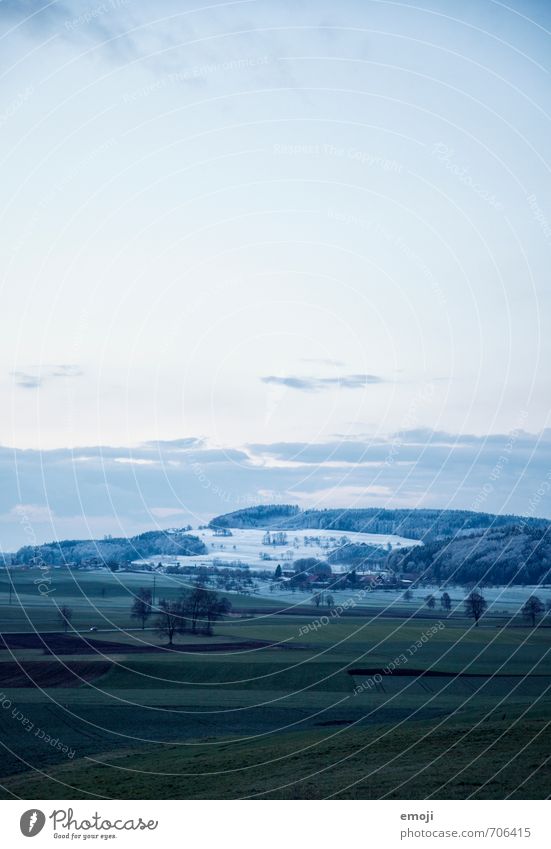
{"x": 32, "y": 822}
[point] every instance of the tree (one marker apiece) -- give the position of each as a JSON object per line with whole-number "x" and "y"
{"x": 532, "y": 608}
{"x": 316, "y": 598}
{"x": 141, "y": 606}
{"x": 430, "y": 602}
{"x": 169, "y": 619}
{"x": 408, "y": 595}
{"x": 65, "y": 614}
{"x": 475, "y": 605}
{"x": 446, "y": 602}
{"x": 312, "y": 566}
{"x": 201, "y": 605}
{"x": 278, "y": 572}
{"x": 194, "y": 606}
{"x": 215, "y": 608}
{"x": 329, "y": 600}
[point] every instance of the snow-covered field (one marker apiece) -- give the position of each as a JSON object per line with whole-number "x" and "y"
{"x": 247, "y": 547}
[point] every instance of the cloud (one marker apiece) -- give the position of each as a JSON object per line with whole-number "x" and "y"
{"x": 38, "y": 377}
{"x": 38, "y": 13}
{"x": 343, "y": 497}
{"x": 31, "y": 513}
{"x": 104, "y": 24}
{"x": 65, "y": 370}
{"x": 88, "y": 491}
{"x": 318, "y": 384}
{"x": 27, "y": 381}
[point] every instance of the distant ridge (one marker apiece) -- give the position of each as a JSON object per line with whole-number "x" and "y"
{"x": 413, "y": 523}
{"x": 459, "y": 546}
{"x": 110, "y": 550}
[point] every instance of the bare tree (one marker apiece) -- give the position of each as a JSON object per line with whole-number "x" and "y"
{"x": 216, "y": 607}
{"x": 533, "y": 607}
{"x": 446, "y": 602}
{"x": 329, "y": 600}
{"x": 203, "y": 607}
{"x": 169, "y": 619}
{"x": 65, "y": 614}
{"x": 194, "y": 605}
{"x": 408, "y": 595}
{"x": 475, "y": 605}
{"x": 142, "y": 606}
{"x": 430, "y": 602}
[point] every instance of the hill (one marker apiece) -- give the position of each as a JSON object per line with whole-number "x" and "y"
{"x": 415, "y": 524}
{"x": 494, "y": 556}
{"x": 110, "y": 550}
{"x": 459, "y": 546}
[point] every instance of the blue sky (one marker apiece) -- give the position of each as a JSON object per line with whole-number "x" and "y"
{"x": 313, "y": 226}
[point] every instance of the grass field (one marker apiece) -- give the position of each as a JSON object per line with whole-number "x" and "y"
{"x": 277, "y": 704}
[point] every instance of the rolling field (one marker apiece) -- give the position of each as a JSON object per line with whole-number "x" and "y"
{"x": 277, "y": 704}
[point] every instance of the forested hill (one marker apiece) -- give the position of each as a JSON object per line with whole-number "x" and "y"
{"x": 496, "y": 556}
{"x": 111, "y": 550}
{"x": 415, "y": 524}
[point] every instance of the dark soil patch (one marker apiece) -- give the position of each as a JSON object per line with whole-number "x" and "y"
{"x": 406, "y": 672}
{"x": 60, "y": 644}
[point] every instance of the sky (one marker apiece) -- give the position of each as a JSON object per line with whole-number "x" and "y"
{"x": 265, "y": 251}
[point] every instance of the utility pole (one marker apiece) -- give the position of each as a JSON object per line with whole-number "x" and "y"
{"x": 154, "y": 580}
{"x": 9, "y": 582}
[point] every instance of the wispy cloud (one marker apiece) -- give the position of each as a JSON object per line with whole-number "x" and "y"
{"x": 107, "y": 25}
{"x": 318, "y": 384}
{"x": 27, "y": 381}
{"x": 38, "y": 377}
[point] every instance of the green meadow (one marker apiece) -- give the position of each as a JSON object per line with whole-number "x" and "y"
{"x": 278, "y": 703}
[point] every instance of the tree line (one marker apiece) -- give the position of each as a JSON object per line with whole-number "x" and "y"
{"x": 476, "y": 605}
{"x": 194, "y": 611}
{"x": 417, "y": 524}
